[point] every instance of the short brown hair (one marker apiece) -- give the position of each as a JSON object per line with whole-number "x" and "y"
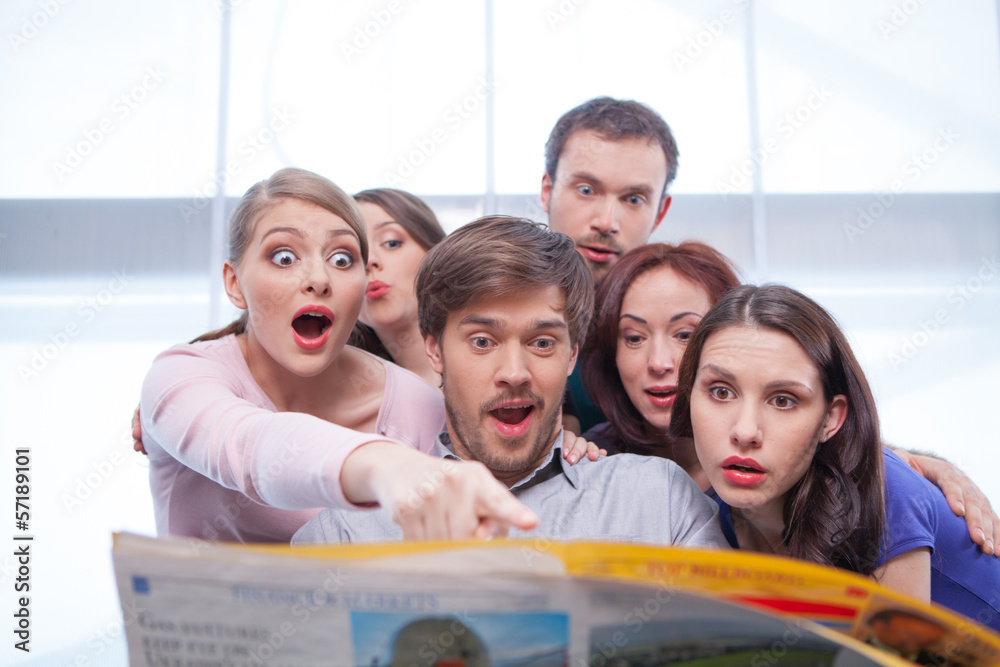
{"x": 696, "y": 262}
{"x": 498, "y": 255}
{"x": 613, "y": 120}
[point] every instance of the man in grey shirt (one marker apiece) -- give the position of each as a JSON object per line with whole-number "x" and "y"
{"x": 503, "y": 305}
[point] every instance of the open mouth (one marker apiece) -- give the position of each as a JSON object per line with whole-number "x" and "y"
{"x": 512, "y": 415}
{"x": 743, "y": 472}
{"x": 597, "y": 253}
{"x": 662, "y": 396}
{"x": 739, "y": 468}
{"x": 513, "y": 420}
{"x": 311, "y": 326}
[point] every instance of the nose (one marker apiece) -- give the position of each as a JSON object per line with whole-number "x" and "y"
{"x": 663, "y": 357}
{"x": 513, "y": 370}
{"x": 606, "y": 220}
{"x": 317, "y": 278}
{"x": 374, "y": 261}
{"x": 746, "y": 430}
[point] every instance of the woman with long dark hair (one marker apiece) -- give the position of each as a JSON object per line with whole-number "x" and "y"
{"x": 786, "y": 431}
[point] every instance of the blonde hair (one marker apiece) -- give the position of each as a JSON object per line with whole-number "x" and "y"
{"x": 288, "y": 183}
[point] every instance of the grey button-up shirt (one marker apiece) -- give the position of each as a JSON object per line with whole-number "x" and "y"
{"x": 622, "y": 498}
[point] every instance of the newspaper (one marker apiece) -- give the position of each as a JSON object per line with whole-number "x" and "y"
{"x": 188, "y": 603}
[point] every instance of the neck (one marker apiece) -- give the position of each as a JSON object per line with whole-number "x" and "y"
{"x": 312, "y": 395}
{"x": 683, "y": 453}
{"x": 507, "y": 477}
{"x": 760, "y": 528}
{"x": 406, "y": 346}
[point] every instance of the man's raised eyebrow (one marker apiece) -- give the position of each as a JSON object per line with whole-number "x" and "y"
{"x": 481, "y": 320}
{"x": 492, "y": 323}
{"x": 549, "y": 324}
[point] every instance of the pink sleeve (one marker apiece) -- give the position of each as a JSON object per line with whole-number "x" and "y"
{"x": 195, "y": 409}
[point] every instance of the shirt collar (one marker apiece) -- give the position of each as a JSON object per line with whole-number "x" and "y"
{"x": 550, "y": 467}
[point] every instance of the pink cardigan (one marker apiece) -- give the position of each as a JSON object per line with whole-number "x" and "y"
{"x": 223, "y": 460}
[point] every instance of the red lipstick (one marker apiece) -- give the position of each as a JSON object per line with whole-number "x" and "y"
{"x": 311, "y": 326}
{"x": 743, "y": 472}
{"x": 376, "y": 289}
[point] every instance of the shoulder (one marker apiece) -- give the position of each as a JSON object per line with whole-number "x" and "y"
{"x": 408, "y": 390}
{"x": 645, "y": 474}
{"x": 904, "y": 484}
{"x": 604, "y": 436}
{"x": 911, "y": 508}
{"x": 220, "y": 358}
{"x": 412, "y": 410}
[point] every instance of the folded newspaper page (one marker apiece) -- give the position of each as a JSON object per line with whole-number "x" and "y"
{"x": 188, "y": 603}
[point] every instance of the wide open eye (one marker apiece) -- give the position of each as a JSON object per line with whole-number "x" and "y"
{"x": 721, "y": 393}
{"x": 283, "y": 257}
{"x": 342, "y": 259}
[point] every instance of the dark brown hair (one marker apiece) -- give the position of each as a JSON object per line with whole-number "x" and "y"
{"x": 288, "y": 183}
{"x": 613, "y": 120}
{"x": 835, "y": 514}
{"x": 694, "y": 261}
{"x": 499, "y": 255}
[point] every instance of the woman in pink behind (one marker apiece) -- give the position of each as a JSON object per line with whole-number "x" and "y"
{"x": 250, "y": 433}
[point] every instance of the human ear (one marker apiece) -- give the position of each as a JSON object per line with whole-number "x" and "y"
{"x": 836, "y": 414}
{"x": 232, "y": 283}
{"x": 664, "y": 205}
{"x": 546, "y": 191}
{"x": 432, "y": 346}
{"x": 572, "y": 359}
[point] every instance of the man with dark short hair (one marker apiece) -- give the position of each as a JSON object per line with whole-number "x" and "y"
{"x": 503, "y": 305}
{"x": 608, "y": 164}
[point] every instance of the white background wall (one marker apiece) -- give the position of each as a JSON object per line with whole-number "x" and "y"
{"x": 838, "y": 101}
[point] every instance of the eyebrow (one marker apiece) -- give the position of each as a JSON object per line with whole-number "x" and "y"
{"x": 644, "y": 188}
{"x": 295, "y": 231}
{"x": 777, "y": 384}
{"x": 380, "y": 225}
{"x": 672, "y": 319}
{"x": 493, "y": 323}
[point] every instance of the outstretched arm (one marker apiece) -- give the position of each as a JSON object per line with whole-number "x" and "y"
{"x": 432, "y": 498}
{"x": 965, "y": 498}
